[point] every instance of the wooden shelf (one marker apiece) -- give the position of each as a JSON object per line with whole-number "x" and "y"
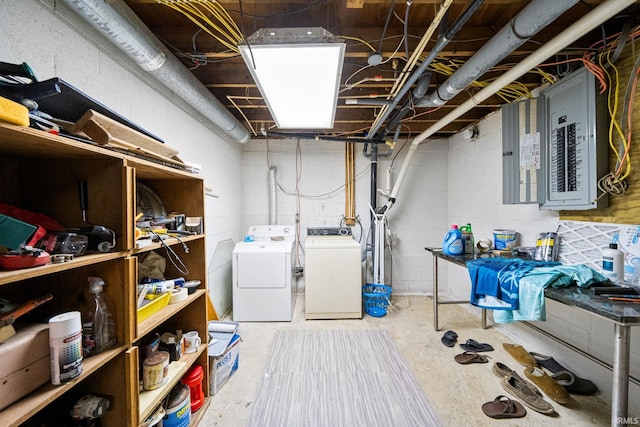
{"x": 23, "y": 409}
{"x": 149, "y": 400}
{"x": 40, "y": 173}
{"x": 150, "y": 323}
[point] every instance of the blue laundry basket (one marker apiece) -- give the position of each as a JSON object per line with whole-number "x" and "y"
{"x": 376, "y": 299}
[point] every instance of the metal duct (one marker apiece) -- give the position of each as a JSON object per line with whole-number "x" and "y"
{"x": 273, "y": 199}
{"x": 123, "y": 28}
{"x": 533, "y": 18}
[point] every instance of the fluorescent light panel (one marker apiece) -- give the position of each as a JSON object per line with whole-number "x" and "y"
{"x": 299, "y": 82}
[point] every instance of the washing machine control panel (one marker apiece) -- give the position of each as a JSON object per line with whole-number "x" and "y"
{"x": 328, "y": 231}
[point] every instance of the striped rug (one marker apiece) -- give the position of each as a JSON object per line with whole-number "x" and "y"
{"x": 339, "y": 378}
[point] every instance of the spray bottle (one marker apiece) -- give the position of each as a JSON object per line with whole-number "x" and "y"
{"x": 452, "y": 242}
{"x": 98, "y": 328}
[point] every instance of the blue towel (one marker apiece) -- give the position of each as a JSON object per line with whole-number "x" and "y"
{"x": 494, "y": 281}
{"x": 533, "y": 284}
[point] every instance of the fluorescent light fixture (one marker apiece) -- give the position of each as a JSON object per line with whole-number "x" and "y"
{"x": 297, "y": 71}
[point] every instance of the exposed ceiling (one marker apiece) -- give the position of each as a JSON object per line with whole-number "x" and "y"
{"x": 362, "y": 25}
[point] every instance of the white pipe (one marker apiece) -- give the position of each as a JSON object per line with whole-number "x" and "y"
{"x": 579, "y": 28}
{"x": 273, "y": 201}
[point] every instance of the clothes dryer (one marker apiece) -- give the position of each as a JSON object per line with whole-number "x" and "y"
{"x": 333, "y": 275}
{"x": 263, "y": 278}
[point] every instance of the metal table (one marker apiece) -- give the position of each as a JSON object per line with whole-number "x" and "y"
{"x": 460, "y": 260}
{"x": 624, "y": 315}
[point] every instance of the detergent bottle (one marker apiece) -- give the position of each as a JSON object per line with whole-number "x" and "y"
{"x": 467, "y": 239}
{"x": 98, "y": 328}
{"x": 452, "y": 242}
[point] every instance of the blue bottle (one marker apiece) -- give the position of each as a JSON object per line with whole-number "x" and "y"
{"x": 452, "y": 243}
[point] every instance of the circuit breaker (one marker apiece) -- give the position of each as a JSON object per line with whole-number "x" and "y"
{"x": 573, "y": 144}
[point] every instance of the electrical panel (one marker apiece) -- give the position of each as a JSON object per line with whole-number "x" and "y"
{"x": 520, "y": 152}
{"x": 574, "y": 144}
{"x": 554, "y": 147}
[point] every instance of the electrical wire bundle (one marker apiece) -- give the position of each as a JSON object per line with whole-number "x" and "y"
{"x": 602, "y": 57}
{"x": 212, "y": 18}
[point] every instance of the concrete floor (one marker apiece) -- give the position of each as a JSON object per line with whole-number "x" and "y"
{"x": 456, "y": 391}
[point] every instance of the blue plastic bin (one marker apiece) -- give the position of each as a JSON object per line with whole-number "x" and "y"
{"x": 376, "y": 299}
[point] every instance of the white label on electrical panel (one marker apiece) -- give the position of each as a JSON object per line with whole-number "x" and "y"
{"x": 530, "y": 151}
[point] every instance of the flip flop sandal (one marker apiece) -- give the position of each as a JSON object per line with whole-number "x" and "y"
{"x": 475, "y": 346}
{"x": 449, "y": 338}
{"x": 468, "y": 357}
{"x": 503, "y": 407}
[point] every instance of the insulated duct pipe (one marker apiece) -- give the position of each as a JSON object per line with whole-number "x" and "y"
{"x": 273, "y": 199}
{"x": 579, "y": 28}
{"x": 123, "y": 28}
{"x": 534, "y": 17}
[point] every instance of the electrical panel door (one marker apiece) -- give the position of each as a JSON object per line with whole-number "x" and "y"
{"x": 574, "y": 148}
{"x": 521, "y": 160}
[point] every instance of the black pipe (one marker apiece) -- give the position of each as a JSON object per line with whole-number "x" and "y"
{"x": 440, "y": 44}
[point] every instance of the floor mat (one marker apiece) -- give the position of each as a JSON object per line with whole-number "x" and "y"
{"x": 339, "y": 378}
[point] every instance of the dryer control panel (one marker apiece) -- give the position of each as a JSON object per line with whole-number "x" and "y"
{"x": 328, "y": 231}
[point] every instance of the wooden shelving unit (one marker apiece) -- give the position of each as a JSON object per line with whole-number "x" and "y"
{"x": 39, "y": 172}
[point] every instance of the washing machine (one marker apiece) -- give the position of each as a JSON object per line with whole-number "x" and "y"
{"x": 263, "y": 277}
{"x": 332, "y": 274}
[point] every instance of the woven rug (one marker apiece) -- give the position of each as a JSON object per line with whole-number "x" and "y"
{"x": 339, "y": 378}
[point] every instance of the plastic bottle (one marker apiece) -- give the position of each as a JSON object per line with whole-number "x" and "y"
{"x": 98, "y": 328}
{"x": 467, "y": 239}
{"x": 613, "y": 264}
{"x": 452, "y": 242}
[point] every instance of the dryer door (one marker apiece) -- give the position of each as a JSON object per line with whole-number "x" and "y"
{"x": 263, "y": 268}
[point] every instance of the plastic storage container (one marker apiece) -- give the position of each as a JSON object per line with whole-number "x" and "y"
{"x": 193, "y": 379}
{"x": 376, "y": 299}
{"x": 452, "y": 243}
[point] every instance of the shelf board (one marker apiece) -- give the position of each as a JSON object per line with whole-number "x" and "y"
{"x": 149, "y": 400}
{"x": 31, "y": 404}
{"x": 150, "y": 323}
{"x": 11, "y": 276}
{"x": 46, "y": 145}
{"x": 170, "y": 241}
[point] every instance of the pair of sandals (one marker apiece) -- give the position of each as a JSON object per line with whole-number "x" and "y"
{"x": 450, "y": 337}
{"x": 471, "y": 355}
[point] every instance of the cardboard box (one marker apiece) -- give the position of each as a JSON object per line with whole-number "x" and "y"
{"x": 223, "y": 366}
{"x": 25, "y": 362}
